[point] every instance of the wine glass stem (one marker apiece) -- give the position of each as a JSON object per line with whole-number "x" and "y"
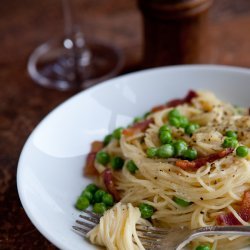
{"x": 67, "y": 14}
{"x": 69, "y": 31}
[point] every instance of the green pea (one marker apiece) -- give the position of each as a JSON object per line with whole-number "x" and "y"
{"x": 242, "y": 151}
{"x": 190, "y": 128}
{"x": 88, "y": 195}
{"x": 165, "y": 151}
{"x": 132, "y": 168}
{"x": 196, "y": 125}
{"x": 151, "y": 152}
{"x": 102, "y": 157}
{"x": 203, "y": 247}
{"x": 239, "y": 110}
{"x": 146, "y": 114}
{"x": 146, "y": 210}
{"x": 117, "y": 133}
{"x": 165, "y": 137}
{"x": 98, "y": 195}
{"x": 181, "y": 202}
{"x": 183, "y": 121}
{"x": 175, "y": 121}
{"x": 92, "y": 188}
{"x": 190, "y": 154}
{"x": 180, "y": 147}
{"x": 117, "y": 163}
{"x": 174, "y": 113}
{"x": 231, "y": 134}
{"x": 137, "y": 119}
{"x": 108, "y": 199}
{"x": 230, "y": 142}
{"x": 164, "y": 128}
{"x": 82, "y": 203}
{"x": 107, "y": 139}
{"x": 99, "y": 208}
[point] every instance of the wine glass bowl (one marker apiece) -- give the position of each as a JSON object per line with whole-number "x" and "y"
{"x": 60, "y": 65}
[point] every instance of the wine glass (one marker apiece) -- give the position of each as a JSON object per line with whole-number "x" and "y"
{"x": 72, "y": 61}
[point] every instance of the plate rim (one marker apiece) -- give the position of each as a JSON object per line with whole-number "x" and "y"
{"x": 28, "y": 211}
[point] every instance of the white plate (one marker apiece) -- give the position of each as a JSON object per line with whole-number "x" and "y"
{"x": 50, "y": 168}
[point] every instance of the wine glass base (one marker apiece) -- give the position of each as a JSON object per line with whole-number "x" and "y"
{"x": 52, "y": 65}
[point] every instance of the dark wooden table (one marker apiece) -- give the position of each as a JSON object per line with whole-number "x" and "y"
{"x": 26, "y": 24}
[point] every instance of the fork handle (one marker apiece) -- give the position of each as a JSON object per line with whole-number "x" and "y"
{"x": 222, "y": 230}
{"x": 219, "y": 230}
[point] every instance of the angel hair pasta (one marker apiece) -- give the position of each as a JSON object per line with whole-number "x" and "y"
{"x": 184, "y": 163}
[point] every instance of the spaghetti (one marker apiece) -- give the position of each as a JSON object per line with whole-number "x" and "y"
{"x": 210, "y": 192}
{"x": 117, "y": 230}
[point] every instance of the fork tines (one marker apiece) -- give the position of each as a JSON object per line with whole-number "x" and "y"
{"x": 155, "y": 230}
{"x": 151, "y": 237}
{"x": 90, "y": 220}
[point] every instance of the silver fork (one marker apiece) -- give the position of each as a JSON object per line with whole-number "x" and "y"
{"x": 163, "y": 238}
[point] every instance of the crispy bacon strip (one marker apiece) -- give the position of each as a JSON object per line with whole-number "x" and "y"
{"x": 175, "y": 102}
{"x": 137, "y": 127}
{"x": 89, "y": 169}
{"x": 158, "y": 108}
{"x": 187, "y": 99}
{"x": 109, "y": 183}
{"x": 195, "y": 164}
{"x": 244, "y": 213}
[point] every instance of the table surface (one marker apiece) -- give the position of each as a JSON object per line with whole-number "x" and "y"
{"x": 26, "y": 24}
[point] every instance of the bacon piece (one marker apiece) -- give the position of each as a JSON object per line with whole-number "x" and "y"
{"x": 246, "y": 201}
{"x": 227, "y": 219}
{"x": 187, "y": 99}
{"x": 195, "y": 164}
{"x": 89, "y": 169}
{"x": 175, "y": 102}
{"x": 137, "y": 127}
{"x": 109, "y": 183}
{"x": 158, "y": 108}
{"x": 244, "y": 213}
